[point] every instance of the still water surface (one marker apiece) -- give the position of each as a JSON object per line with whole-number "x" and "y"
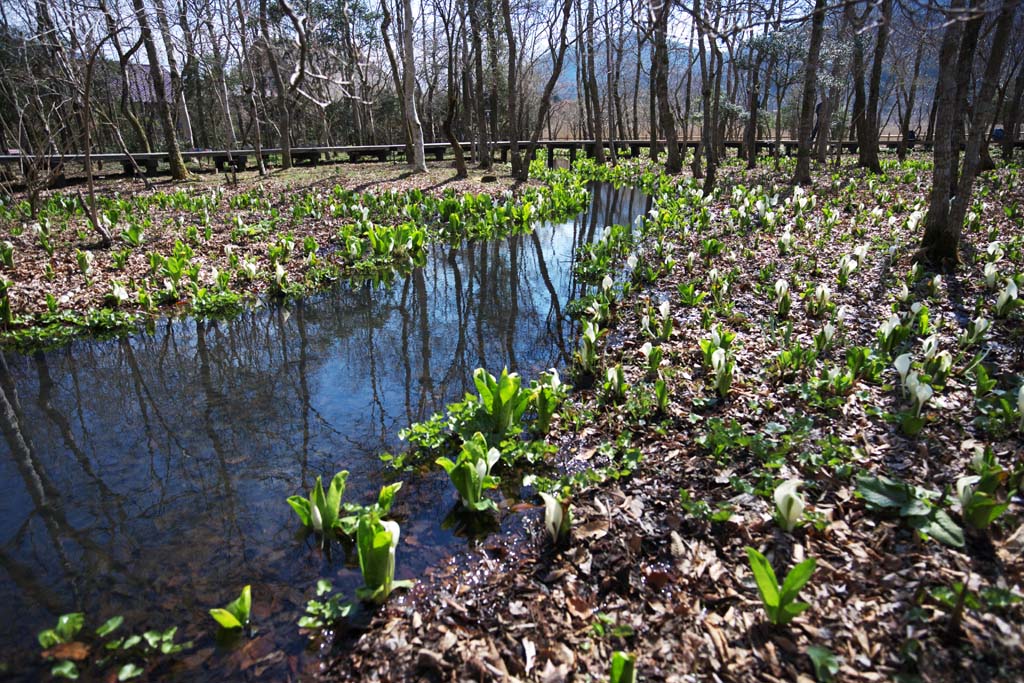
{"x": 147, "y": 476}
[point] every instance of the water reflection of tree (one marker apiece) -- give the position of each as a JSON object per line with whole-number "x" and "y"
{"x": 210, "y": 424}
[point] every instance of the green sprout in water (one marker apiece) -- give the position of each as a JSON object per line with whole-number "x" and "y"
{"x": 320, "y": 511}
{"x": 236, "y": 613}
{"x": 471, "y": 473}
{"x": 376, "y": 541}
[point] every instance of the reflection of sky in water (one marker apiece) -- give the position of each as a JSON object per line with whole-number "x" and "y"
{"x": 148, "y": 476}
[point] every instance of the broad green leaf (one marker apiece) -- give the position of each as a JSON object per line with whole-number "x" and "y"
{"x": 387, "y": 497}
{"x": 153, "y": 638}
{"x": 109, "y": 626}
{"x": 301, "y": 507}
{"x": 65, "y": 669}
{"x": 943, "y": 529}
{"x": 882, "y": 492}
{"x": 129, "y": 671}
{"x": 623, "y": 668}
{"x": 915, "y": 508}
{"x": 982, "y": 510}
{"x": 376, "y": 542}
{"x": 825, "y": 663}
{"x": 225, "y": 618}
{"x": 69, "y": 624}
{"x": 242, "y": 605}
{"x": 334, "y": 494}
{"x": 48, "y": 638}
{"x": 764, "y": 576}
{"x": 131, "y": 641}
{"x": 795, "y": 580}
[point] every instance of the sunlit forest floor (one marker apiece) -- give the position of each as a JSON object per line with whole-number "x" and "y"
{"x": 767, "y": 369}
{"x": 888, "y": 397}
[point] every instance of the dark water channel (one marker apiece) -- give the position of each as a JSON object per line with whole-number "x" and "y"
{"x": 147, "y": 477}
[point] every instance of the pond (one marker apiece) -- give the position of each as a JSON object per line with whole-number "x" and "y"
{"x": 147, "y": 476}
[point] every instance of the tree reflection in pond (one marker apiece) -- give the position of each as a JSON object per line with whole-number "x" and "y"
{"x": 148, "y": 476}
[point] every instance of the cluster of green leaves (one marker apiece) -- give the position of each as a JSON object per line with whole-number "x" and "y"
{"x": 119, "y": 656}
{"x": 913, "y": 504}
{"x": 500, "y": 411}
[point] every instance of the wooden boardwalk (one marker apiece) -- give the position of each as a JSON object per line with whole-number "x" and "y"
{"x": 150, "y": 162}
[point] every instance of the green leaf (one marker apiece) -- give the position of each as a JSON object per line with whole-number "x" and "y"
{"x": 225, "y": 618}
{"x": 129, "y": 671}
{"x": 791, "y": 610}
{"x": 69, "y": 624}
{"x": 943, "y": 529}
{"x": 446, "y": 464}
{"x": 982, "y": 509}
{"x": 387, "y": 497}
{"x": 882, "y": 492}
{"x": 131, "y": 641}
{"x": 310, "y": 622}
{"x": 796, "y": 578}
{"x": 334, "y": 493}
{"x": 65, "y": 669}
{"x": 623, "y": 668}
{"x": 764, "y": 576}
{"x": 376, "y": 542}
{"x": 48, "y": 638}
{"x": 301, "y": 507}
{"x": 242, "y": 605}
{"x": 825, "y": 663}
{"x": 109, "y": 626}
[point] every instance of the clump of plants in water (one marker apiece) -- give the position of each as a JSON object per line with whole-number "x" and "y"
{"x": 470, "y": 473}
{"x": 105, "y": 651}
{"x": 235, "y": 614}
{"x": 377, "y": 541}
{"x": 381, "y": 235}
{"x": 503, "y": 411}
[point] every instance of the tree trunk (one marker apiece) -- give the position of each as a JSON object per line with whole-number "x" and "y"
{"x": 868, "y": 147}
{"x": 284, "y": 123}
{"x": 172, "y": 67}
{"x": 453, "y": 37}
{"x": 941, "y": 239}
{"x": 385, "y": 32}
{"x": 673, "y": 159}
{"x": 592, "y": 92}
{"x": 964, "y": 77}
{"x": 707, "y": 124}
{"x": 513, "y": 92}
{"x": 483, "y": 150}
{"x": 1011, "y": 126}
{"x": 750, "y": 133}
{"x": 418, "y": 161}
{"x": 984, "y": 114}
{"x": 549, "y": 88}
{"x": 858, "y": 118}
{"x": 905, "y": 123}
{"x": 802, "y": 176}
{"x": 178, "y": 170}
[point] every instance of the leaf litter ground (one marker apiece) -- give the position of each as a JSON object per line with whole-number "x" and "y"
{"x": 669, "y": 581}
